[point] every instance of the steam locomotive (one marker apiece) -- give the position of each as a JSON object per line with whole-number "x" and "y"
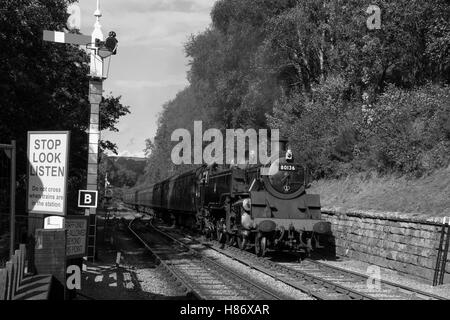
{"x": 239, "y": 205}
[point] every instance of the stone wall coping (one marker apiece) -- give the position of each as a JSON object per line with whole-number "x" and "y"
{"x": 390, "y": 216}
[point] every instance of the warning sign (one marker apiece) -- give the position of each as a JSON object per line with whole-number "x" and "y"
{"x": 77, "y": 229}
{"x": 47, "y": 172}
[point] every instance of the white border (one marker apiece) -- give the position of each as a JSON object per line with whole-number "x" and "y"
{"x": 79, "y": 199}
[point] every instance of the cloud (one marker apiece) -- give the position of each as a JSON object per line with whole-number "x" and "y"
{"x": 159, "y": 5}
{"x": 159, "y": 23}
{"x": 159, "y": 29}
{"x": 150, "y": 67}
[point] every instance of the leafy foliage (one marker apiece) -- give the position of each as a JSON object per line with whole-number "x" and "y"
{"x": 410, "y": 130}
{"x": 121, "y": 173}
{"x": 44, "y": 86}
{"x": 349, "y": 98}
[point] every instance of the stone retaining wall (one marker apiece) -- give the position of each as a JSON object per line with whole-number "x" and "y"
{"x": 391, "y": 240}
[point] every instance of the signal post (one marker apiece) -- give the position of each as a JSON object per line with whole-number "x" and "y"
{"x": 99, "y": 50}
{"x": 97, "y": 76}
{"x": 95, "y": 98}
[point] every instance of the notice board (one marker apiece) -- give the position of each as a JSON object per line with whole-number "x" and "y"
{"x": 48, "y": 158}
{"x": 77, "y": 231}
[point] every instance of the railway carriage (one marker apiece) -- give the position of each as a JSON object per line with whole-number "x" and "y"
{"x": 129, "y": 198}
{"x": 240, "y": 205}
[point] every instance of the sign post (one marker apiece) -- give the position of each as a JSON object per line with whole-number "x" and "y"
{"x": 97, "y": 76}
{"x": 95, "y": 98}
{"x": 47, "y": 172}
{"x": 62, "y": 37}
{"x": 48, "y": 169}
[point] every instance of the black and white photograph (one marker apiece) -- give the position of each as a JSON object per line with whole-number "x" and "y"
{"x": 225, "y": 158}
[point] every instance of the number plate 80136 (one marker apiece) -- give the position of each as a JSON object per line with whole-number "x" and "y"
{"x": 287, "y": 167}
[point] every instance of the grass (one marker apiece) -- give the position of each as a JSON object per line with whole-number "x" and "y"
{"x": 429, "y": 195}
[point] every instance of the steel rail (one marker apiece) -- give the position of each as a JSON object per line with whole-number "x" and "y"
{"x": 386, "y": 282}
{"x": 340, "y": 291}
{"x": 232, "y": 272}
{"x": 343, "y": 272}
{"x": 187, "y": 286}
{"x": 353, "y": 294}
{"x": 249, "y": 285}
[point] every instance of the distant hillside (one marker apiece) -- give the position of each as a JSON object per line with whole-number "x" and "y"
{"x": 115, "y": 158}
{"x": 124, "y": 171}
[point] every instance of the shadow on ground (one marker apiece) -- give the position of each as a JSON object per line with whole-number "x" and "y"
{"x": 137, "y": 276}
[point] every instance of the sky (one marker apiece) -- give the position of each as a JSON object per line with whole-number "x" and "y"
{"x": 150, "y": 65}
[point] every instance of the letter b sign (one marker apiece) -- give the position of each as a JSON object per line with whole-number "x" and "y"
{"x": 87, "y": 199}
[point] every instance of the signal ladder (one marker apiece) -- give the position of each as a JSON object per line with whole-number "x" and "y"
{"x": 441, "y": 261}
{"x": 92, "y": 234}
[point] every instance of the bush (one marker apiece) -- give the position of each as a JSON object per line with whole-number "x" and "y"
{"x": 409, "y": 132}
{"x": 405, "y": 131}
{"x": 320, "y": 127}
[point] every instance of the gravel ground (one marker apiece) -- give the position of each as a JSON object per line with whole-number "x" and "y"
{"x": 255, "y": 275}
{"x": 148, "y": 282}
{"x": 392, "y": 276}
{"x": 389, "y": 275}
{"x": 136, "y": 278}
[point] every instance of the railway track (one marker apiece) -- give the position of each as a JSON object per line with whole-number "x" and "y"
{"x": 203, "y": 277}
{"x": 315, "y": 278}
{"x": 386, "y": 291}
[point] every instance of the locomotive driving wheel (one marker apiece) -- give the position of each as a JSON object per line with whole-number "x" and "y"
{"x": 242, "y": 242}
{"x": 232, "y": 240}
{"x": 208, "y": 232}
{"x": 261, "y": 246}
{"x": 220, "y": 233}
{"x": 218, "y": 230}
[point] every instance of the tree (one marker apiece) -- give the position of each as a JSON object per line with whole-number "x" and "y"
{"x": 315, "y": 71}
{"x": 44, "y": 86}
